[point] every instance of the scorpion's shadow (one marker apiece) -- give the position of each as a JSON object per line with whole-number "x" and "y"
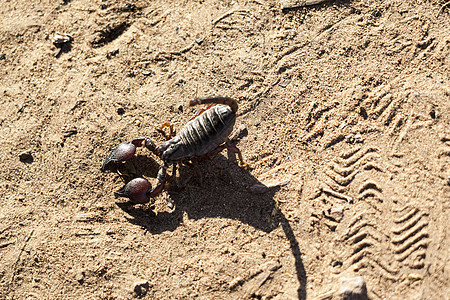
{"x": 223, "y": 193}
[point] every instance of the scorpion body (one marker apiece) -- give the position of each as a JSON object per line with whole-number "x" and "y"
{"x": 205, "y": 135}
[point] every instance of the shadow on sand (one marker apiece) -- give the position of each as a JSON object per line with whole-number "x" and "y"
{"x": 222, "y": 193}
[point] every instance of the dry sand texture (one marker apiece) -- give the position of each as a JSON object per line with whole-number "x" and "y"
{"x": 347, "y": 113}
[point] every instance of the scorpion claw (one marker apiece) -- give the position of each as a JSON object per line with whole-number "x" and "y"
{"x": 122, "y": 152}
{"x": 137, "y": 190}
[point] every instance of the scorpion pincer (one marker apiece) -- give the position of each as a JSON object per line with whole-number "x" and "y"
{"x": 205, "y": 135}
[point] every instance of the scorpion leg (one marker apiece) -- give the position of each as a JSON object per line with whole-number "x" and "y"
{"x": 171, "y": 131}
{"x": 197, "y": 171}
{"x": 161, "y": 181}
{"x": 235, "y": 150}
{"x": 230, "y": 147}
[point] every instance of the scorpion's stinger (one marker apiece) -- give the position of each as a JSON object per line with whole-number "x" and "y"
{"x": 201, "y": 110}
{"x": 232, "y": 103}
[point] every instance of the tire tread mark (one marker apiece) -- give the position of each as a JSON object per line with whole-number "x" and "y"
{"x": 410, "y": 222}
{"x": 410, "y": 238}
{"x": 370, "y": 189}
{"x": 365, "y": 238}
{"x": 365, "y": 161}
{"x": 355, "y": 157}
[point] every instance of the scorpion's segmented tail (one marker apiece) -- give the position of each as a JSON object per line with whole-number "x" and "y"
{"x": 232, "y": 103}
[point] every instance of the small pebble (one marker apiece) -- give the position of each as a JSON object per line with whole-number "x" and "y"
{"x": 146, "y": 73}
{"x": 120, "y": 111}
{"x": 80, "y": 277}
{"x": 235, "y": 282}
{"x": 354, "y": 138}
{"x": 284, "y": 83}
{"x": 337, "y": 263}
{"x": 336, "y": 213}
{"x": 26, "y": 156}
{"x": 353, "y": 288}
{"x": 260, "y": 188}
{"x": 433, "y": 113}
{"x": 140, "y": 287}
{"x": 112, "y": 53}
{"x": 414, "y": 277}
{"x": 70, "y": 132}
{"x": 358, "y": 138}
{"x": 60, "y": 39}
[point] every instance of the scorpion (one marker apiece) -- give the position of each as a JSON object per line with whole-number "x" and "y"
{"x": 205, "y": 135}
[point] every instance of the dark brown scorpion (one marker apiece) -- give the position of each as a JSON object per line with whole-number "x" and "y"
{"x": 205, "y": 135}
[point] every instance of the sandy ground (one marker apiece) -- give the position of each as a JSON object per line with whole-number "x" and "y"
{"x": 344, "y": 110}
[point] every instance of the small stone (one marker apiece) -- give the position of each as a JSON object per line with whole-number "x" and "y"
{"x": 141, "y": 287}
{"x": 260, "y": 188}
{"x": 414, "y": 277}
{"x": 353, "y": 288}
{"x": 433, "y": 113}
{"x": 337, "y": 263}
{"x": 350, "y": 139}
{"x": 146, "y": 72}
{"x": 120, "y": 111}
{"x": 284, "y": 83}
{"x": 60, "y": 39}
{"x": 235, "y": 282}
{"x": 2, "y": 56}
{"x": 199, "y": 41}
{"x": 354, "y": 138}
{"x": 335, "y": 213}
{"x": 80, "y": 277}
{"x": 70, "y": 132}
{"x": 358, "y": 138}
{"x": 26, "y": 156}
{"x": 112, "y": 53}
